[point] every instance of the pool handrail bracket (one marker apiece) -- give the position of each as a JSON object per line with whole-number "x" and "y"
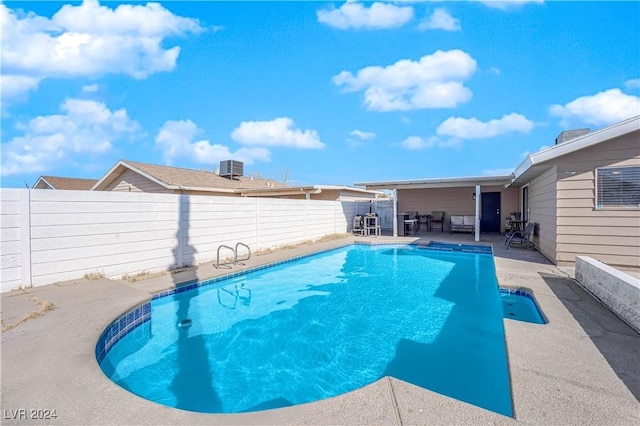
{"x": 235, "y": 254}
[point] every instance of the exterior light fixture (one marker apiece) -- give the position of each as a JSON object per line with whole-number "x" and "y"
{"x": 473, "y": 196}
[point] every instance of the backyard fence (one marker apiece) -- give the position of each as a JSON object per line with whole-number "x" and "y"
{"x": 50, "y": 236}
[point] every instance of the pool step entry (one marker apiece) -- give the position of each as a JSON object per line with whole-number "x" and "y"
{"x": 520, "y": 305}
{"x": 235, "y": 261}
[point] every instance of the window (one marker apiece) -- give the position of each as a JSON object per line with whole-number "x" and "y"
{"x": 618, "y": 187}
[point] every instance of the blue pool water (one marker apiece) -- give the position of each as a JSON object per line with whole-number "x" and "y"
{"x": 521, "y": 306}
{"x": 321, "y": 326}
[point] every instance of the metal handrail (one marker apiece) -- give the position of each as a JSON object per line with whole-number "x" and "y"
{"x": 236, "y": 252}
{"x": 235, "y": 255}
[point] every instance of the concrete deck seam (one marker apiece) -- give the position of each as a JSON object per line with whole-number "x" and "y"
{"x": 394, "y": 402}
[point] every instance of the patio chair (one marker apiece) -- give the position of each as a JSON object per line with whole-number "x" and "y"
{"x": 521, "y": 238}
{"x": 358, "y": 225}
{"x": 437, "y": 218}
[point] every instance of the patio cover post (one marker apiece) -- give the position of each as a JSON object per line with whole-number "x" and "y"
{"x": 395, "y": 212}
{"x": 477, "y": 227}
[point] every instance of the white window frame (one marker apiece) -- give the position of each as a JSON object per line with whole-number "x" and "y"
{"x": 611, "y": 207}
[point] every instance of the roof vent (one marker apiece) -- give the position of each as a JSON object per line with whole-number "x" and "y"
{"x": 231, "y": 168}
{"x": 568, "y": 135}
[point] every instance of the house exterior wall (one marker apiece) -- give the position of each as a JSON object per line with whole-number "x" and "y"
{"x": 130, "y": 181}
{"x": 542, "y": 212}
{"x": 207, "y": 193}
{"x": 42, "y": 185}
{"x": 610, "y": 235}
{"x": 454, "y": 201}
{"x": 51, "y": 236}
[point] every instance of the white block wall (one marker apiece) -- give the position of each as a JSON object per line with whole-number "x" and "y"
{"x": 10, "y": 260}
{"x": 51, "y": 236}
{"x": 617, "y": 290}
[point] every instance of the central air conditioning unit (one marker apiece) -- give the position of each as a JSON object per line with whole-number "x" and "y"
{"x": 231, "y": 168}
{"x": 568, "y": 135}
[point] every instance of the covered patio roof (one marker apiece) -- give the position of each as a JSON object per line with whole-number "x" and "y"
{"x": 308, "y": 189}
{"x": 465, "y": 181}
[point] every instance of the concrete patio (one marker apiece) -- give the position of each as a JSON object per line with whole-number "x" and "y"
{"x": 583, "y": 367}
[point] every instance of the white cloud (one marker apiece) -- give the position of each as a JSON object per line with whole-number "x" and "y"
{"x": 176, "y": 140}
{"x": 363, "y": 135}
{"x": 418, "y": 143}
{"x": 632, "y": 84}
{"x": 525, "y": 154}
{"x": 83, "y": 128}
{"x": 603, "y": 108}
{"x": 472, "y": 128}
{"x": 13, "y": 86}
{"x": 440, "y": 19}
{"x": 498, "y": 172}
{"x": 90, "y": 40}
{"x": 494, "y": 71}
{"x": 434, "y": 81}
{"x": 360, "y": 138}
{"x": 509, "y": 4}
{"x": 353, "y": 15}
{"x": 90, "y": 88}
{"x": 277, "y": 132}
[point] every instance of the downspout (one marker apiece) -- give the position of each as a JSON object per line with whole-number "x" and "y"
{"x": 478, "y": 198}
{"x": 395, "y": 212}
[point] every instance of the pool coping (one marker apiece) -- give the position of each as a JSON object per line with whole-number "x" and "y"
{"x": 565, "y": 380}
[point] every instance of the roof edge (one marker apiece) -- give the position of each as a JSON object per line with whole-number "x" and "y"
{"x": 470, "y": 180}
{"x": 124, "y": 164}
{"x": 593, "y": 138}
{"x": 41, "y": 178}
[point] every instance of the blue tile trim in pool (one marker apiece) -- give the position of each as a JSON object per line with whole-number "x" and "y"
{"x": 119, "y": 328}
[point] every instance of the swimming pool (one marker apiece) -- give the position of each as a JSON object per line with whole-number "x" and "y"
{"x": 318, "y": 327}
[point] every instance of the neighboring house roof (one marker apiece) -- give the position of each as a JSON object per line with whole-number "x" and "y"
{"x": 176, "y": 178}
{"x": 65, "y": 183}
{"x": 540, "y": 161}
{"x": 465, "y": 181}
{"x": 310, "y": 189}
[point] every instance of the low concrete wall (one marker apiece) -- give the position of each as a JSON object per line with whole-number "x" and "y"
{"x": 617, "y": 290}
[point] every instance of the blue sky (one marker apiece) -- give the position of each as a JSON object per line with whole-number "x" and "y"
{"x": 316, "y": 92}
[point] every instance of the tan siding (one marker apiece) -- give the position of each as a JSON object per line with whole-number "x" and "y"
{"x": 568, "y": 259}
{"x": 591, "y": 249}
{"x": 603, "y": 230}
{"x": 577, "y": 210}
{"x": 573, "y": 203}
{"x": 542, "y": 211}
{"x": 575, "y": 193}
{"x": 131, "y": 181}
{"x": 454, "y": 201}
{"x": 327, "y": 194}
{"x": 611, "y": 240}
{"x": 609, "y": 235}
{"x": 629, "y": 223}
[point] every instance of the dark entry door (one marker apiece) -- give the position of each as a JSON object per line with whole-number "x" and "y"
{"x": 490, "y": 221}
